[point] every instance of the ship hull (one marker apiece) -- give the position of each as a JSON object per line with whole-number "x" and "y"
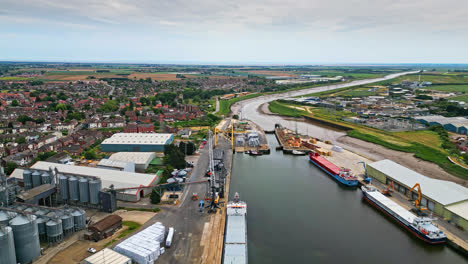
{"x": 402, "y": 222}
{"x": 335, "y": 176}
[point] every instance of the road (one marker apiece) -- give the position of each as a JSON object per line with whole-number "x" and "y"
{"x": 217, "y": 106}
{"x": 186, "y": 218}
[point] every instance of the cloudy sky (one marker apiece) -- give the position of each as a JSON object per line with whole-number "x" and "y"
{"x": 242, "y": 31}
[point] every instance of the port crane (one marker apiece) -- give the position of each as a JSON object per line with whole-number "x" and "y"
{"x": 367, "y": 179}
{"x": 417, "y": 202}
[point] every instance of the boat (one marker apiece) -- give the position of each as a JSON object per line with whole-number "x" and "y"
{"x": 235, "y": 240}
{"x": 255, "y": 153}
{"x": 421, "y": 227}
{"x": 298, "y": 152}
{"x": 342, "y": 175}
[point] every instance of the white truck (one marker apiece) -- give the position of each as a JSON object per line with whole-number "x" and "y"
{"x": 170, "y": 235}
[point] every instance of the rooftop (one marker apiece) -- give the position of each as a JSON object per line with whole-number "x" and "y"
{"x": 139, "y": 138}
{"x": 135, "y": 157}
{"x": 107, "y": 256}
{"x": 113, "y": 163}
{"x": 120, "y": 179}
{"x": 460, "y": 209}
{"x": 443, "y": 192}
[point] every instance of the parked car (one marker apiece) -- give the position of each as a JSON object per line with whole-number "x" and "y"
{"x": 91, "y": 250}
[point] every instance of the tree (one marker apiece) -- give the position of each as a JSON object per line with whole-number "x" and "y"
{"x": 187, "y": 147}
{"x": 62, "y": 107}
{"x": 14, "y": 103}
{"x": 174, "y": 157}
{"x": 235, "y": 116}
{"x": 21, "y": 140}
{"x": 10, "y": 167}
{"x": 23, "y": 119}
{"x": 90, "y": 155}
{"x": 109, "y": 106}
{"x": 155, "y": 197}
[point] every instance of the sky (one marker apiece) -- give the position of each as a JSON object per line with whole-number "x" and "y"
{"x": 241, "y": 31}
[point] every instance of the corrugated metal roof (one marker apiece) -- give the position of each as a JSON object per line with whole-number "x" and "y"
{"x": 120, "y": 179}
{"x": 443, "y": 192}
{"x": 460, "y": 209}
{"x": 135, "y": 157}
{"x": 106, "y": 223}
{"x": 113, "y": 163}
{"x": 107, "y": 256}
{"x": 235, "y": 254}
{"x": 139, "y": 138}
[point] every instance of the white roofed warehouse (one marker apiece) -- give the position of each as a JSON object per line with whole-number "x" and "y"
{"x": 137, "y": 142}
{"x": 119, "y": 179}
{"x": 446, "y": 199}
{"x": 107, "y": 256}
{"x": 140, "y": 159}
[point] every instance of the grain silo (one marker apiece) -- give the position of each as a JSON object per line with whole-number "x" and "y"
{"x": 79, "y": 219}
{"x": 7, "y": 246}
{"x": 6, "y": 216}
{"x": 54, "y": 230}
{"x": 26, "y": 238}
{"x": 3, "y": 195}
{"x": 68, "y": 224}
{"x": 41, "y": 228}
{"x": 73, "y": 188}
{"x": 94, "y": 188}
{"x": 36, "y": 179}
{"x": 84, "y": 190}
{"x": 27, "y": 179}
{"x": 46, "y": 178}
{"x": 63, "y": 187}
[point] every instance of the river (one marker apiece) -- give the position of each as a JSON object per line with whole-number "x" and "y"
{"x": 298, "y": 214}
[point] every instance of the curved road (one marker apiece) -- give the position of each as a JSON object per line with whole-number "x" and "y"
{"x": 250, "y": 108}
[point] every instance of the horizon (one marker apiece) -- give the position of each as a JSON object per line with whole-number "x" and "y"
{"x": 220, "y": 32}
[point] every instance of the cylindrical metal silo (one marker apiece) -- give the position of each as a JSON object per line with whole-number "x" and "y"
{"x": 63, "y": 187}
{"x": 36, "y": 179}
{"x": 7, "y": 246}
{"x": 21, "y": 207}
{"x": 27, "y": 179}
{"x": 79, "y": 219}
{"x": 94, "y": 188}
{"x": 68, "y": 224}
{"x": 5, "y": 217}
{"x": 41, "y": 227}
{"x": 42, "y": 211}
{"x": 73, "y": 189}
{"x": 29, "y": 210}
{"x": 54, "y": 230}
{"x": 26, "y": 238}
{"x": 46, "y": 178}
{"x": 84, "y": 190}
{"x": 3, "y": 196}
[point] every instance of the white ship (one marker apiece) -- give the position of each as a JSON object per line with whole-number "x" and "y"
{"x": 235, "y": 239}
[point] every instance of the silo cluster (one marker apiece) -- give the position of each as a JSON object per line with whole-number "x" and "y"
{"x": 83, "y": 190}
{"x": 35, "y": 178}
{"x": 21, "y": 232}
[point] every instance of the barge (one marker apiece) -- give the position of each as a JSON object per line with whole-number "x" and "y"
{"x": 235, "y": 243}
{"x": 342, "y": 175}
{"x": 421, "y": 227}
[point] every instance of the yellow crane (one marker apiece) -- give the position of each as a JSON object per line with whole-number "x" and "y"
{"x": 229, "y": 133}
{"x": 417, "y": 202}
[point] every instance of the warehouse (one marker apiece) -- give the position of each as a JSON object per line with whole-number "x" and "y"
{"x": 140, "y": 159}
{"x": 444, "y": 198}
{"x": 106, "y": 227}
{"x": 453, "y": 124}
{"x": 137, "y": 142}
{"x": 119, "y": 179}
{"x": 116, "y": 165}
{"x": 107, "y": 256}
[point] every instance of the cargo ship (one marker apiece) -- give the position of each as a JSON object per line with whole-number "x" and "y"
{"x": 421, "y": 227}
{"x": 342, "y": 175}
{"x": 235, "y": 239}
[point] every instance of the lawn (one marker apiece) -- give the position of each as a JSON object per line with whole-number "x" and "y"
{"x": 225, "y": 105}
{"x": 449, "y": 88}
{"x": 434, "y": 78}
{"x": 463, "y": 98}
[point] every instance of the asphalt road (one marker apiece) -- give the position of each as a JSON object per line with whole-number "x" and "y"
{"x": 186, "y": 218}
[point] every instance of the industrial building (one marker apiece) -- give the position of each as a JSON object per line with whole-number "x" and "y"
{"x": 106, "y": 227}
{"x": 453, "y": 124}
{"x": 137, "y": 142}
{"x": 446, "y": 199}
{"x": 81, "y": 185}
{"x": 140, "y": 159}
{"x": 116, "y": 165}
{"x": 107, "y": 256}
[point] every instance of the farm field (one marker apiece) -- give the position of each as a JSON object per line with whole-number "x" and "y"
{"x": 274, "y": 73}
{"x": 434, "y": 78}
{"x": 449, "y": 88}
{"x": 463, "y": 98}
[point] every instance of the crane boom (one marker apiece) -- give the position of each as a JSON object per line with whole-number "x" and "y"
{"x": 417, "y": 202}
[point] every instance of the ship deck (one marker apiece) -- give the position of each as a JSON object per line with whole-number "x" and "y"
{"x": 392, "y": 206}
{"x": 326, "y": 164}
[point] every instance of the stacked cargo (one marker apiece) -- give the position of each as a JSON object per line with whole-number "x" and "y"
{"x": 145, "y": 246}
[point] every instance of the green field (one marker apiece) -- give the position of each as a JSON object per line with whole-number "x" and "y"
{"x": 463, "y": 98}
{"x": 449, "y": 88}
{"x": 434, "y": 78}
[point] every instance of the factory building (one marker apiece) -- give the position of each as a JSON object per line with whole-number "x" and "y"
{"x": 107, "y": 256}
{"x": 82, "y": 184}
{"x": 446, "y": 199}
{"x": 116, "y": 165}
{"x": 140, "y": 159}
{"x": 453, "y": 124}
{"x": 40, "y": 195}
{"x": 137, "y": 142}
